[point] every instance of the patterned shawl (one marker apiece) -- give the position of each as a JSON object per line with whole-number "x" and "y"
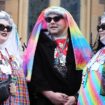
{"x": 82, "y": 50}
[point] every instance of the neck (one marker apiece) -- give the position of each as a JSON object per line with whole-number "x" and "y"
{"x": 59, "y": 36}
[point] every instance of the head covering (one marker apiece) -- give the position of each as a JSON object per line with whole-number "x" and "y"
{"x": 81, "y": 48}
{"x": 103, "y": 19}
{"x": 59, "y": 11}
{"x": 12, "y": 44}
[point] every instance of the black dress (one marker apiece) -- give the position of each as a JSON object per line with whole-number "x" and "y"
{"x": 46, "y": 77}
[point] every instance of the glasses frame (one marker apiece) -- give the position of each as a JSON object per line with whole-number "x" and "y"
{"x": 101, "y": 26}
{"x": 3, "y": 27}
{"x": 55, "y": 18}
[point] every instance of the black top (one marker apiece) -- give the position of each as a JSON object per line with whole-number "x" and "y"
{"x": 100, "y": 45}
{"x": 46, "y": 77}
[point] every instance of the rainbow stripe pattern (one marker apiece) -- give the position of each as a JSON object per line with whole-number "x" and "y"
{"x": 90, "y": 91}
{"x": 90, "y": 94}
{"x": 81, "y": 47}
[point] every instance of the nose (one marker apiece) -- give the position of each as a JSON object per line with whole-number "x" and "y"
{"x": 100, "y": 29}
{"x": 5, "y": 29}
{"x": 52, "y": 21}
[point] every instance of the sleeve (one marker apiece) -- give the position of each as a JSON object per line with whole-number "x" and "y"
{"x": 76, "y": 97}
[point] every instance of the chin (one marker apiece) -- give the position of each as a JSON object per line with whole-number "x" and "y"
{"x": 53, "y": 33}
{"x": 3, "y": 40}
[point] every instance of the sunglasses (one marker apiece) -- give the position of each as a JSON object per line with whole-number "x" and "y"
{"x": 2, "y": 27}
{"x": 102, "y": 26}
{"x": 55, "y": 19}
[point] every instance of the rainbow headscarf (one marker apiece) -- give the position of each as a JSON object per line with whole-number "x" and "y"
{"x": 82, "y": 50}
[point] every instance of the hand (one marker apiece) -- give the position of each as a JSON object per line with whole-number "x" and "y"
{"x": 71, "y": 101}
{"x": 55, "y": 97}
{"x": 12, "y": 88}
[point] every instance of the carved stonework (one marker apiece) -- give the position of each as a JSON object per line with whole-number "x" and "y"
{"x": 102, "y": 1}
{"x": 2, "y": 4}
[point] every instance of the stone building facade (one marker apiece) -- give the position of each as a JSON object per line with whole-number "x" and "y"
{"x": 89, "y": 12}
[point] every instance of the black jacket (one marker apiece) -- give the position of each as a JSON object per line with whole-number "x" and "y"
{"x": 46, "y": 77}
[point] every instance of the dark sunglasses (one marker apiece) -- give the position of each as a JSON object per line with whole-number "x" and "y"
{"x": 55, "y": 19}
{"x": 2, "y": 27}
{"x": 102, "y": 26}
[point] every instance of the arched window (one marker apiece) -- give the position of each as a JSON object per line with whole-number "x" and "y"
{"x": 73, "y": 6}
{"x": 35, "y": 7}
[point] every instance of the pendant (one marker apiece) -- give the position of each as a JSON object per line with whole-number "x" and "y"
{"x": 56, "y": 61}
{"x": 14, "y": 79}
{"x": 62, "y": 59}
{"x": 14, "y": 65}
{"x": 61, "y": 69}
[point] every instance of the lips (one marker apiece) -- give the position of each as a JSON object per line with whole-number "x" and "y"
{"x": 4, "y": 34}
{"x": 53, "y": 27}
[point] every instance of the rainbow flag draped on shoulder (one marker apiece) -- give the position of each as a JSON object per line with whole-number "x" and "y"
{"x": 81, "y": 48}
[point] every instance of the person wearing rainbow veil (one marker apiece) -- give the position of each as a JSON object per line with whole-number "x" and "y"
{"x": 92, "y": 91}
{"x": 54, "y": 58}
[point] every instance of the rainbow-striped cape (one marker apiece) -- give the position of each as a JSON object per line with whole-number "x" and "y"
{"x": 81, "y": 47}
{"x": 91, "y": 88}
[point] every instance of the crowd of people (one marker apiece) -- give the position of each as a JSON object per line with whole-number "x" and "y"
{"x": 58, "y": 66}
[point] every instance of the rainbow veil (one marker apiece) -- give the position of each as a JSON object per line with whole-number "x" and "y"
{"x": 82, "y": 50}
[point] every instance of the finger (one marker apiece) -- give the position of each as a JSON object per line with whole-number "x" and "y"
{"x": 65, "y": 96}
{"x": 12, "y": 89}
{"x": 12, "y": 84}
{"x": 13, "y": 92}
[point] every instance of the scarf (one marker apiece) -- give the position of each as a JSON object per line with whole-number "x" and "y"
{"x": 81, "y": 48}
{"x": 12, "y": 44}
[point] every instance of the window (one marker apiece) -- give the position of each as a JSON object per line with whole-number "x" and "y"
{"x": 2, "y": 4}
{"x": 35, "y": 7}
{"x": 73, "y": 6}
